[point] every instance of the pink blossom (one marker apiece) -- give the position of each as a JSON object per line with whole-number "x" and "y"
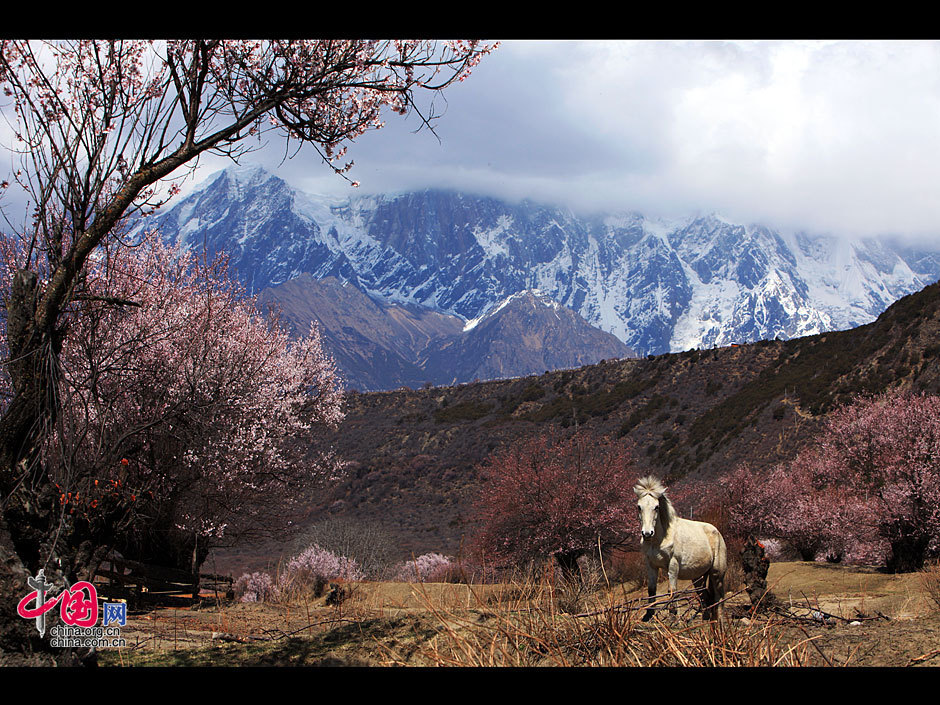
{"x": 545, "y": 497}
{"x": 317, "y": 564}
{"x": 170, "y": 373}
{"x": 254, "y": 587}
{"x": 867, "y": 489}
{"x": 426, "y": 568}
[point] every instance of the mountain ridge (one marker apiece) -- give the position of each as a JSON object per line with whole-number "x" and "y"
{"x": 658, "y": 285}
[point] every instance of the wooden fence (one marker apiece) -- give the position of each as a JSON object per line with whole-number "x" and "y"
{"x": 143, "y": 585}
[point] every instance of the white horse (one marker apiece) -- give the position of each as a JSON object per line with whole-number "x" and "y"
{"x": 691, "y": 550}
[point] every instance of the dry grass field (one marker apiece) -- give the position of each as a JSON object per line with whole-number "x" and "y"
{"x": 829, "y": 615}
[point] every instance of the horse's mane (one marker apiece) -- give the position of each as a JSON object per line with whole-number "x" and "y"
{"x": 649, "y": 485}
{"x": 652, "y": 486}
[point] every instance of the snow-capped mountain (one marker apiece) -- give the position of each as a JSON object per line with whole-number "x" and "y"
{"x": 657, "y": 285}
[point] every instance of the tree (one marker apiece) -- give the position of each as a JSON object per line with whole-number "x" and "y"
{"x": 99, "y": 125}
{"x": 868, "y": 485}
{"x": 367, "y": 543}
{"x": 201, "y": 407}
{"x": 798, "y": 503}
{"x": 556, "y": 497}
{"x": 887, "y": 449}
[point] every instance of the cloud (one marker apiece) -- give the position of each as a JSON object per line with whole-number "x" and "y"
{"x": 834, "y": 136}
{"x": 839, "y": 137}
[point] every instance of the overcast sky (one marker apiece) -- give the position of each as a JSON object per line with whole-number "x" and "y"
{"x": 840, "y": 137}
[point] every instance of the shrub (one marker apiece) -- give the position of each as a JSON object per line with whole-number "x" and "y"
{"x": 254, "y": 587}
{"x": 866, "y": 490}
{"x": 427, "y": 568}
{"x": 314, "y": 568}
{"x": 793, "y": 503}
{"x": 889, "y": 449}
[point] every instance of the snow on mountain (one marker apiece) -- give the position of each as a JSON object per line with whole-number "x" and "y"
{"x": 533, "y": 294}
{"x": 657, "y": 285}
{"x": 527, "y": 333}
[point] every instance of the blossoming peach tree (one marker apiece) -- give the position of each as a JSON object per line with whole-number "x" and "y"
{"x": 199, "y": 404}
{"x": 99, "y": 127}
{"x": 559, "y": 497}
{"x": 867, "y": 488}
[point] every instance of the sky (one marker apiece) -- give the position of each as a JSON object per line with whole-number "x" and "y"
{"x": 838, "y": 137}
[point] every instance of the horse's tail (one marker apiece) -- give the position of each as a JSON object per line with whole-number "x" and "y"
{"x": 721, "y": 555}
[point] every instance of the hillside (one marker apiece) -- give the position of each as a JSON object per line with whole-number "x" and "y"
{"x": 695, "y": 414}
{"x": 380, "y": 345}
{"x": 376, "y": 345}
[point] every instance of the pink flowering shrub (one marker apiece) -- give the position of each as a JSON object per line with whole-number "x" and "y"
{"x": 315, "y": 567}
{"x": 791, "y": 503}
{"x": 887, "y": 450}
{"x": 867, "y": 490}
{"x": 427, "y": 568}
{"x": 254, "y": 587}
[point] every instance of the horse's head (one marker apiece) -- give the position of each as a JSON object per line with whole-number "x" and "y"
{"x": 649, "y": 492}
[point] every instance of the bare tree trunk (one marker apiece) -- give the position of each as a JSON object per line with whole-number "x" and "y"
{"x": 30, "y": 373}
{"x": 28, "y": 511}
{"x": 20, "y": 643}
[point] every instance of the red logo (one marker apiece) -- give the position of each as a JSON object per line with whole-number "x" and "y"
{"x": 78, "y": 605}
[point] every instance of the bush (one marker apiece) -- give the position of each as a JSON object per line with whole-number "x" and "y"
{"x": 794, "y": 504}
{"x": 254, "y": 587}
{"x": 427, "y": 568}
{"x": 313, "y": 569}
{"x": 866, "y": 490}
{"x": 887, "y": 450}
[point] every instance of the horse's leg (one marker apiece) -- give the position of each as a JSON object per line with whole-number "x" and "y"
{"x": 673, "y": 582}
{"x": 716, "y": 583}
{"x": 701, "y": 584}
{"x": 716, "y": 580}
{"x": 652, "y": 575}
{"x": 709, "y": 598}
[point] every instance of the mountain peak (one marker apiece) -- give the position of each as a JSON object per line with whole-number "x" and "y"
{"x": 533, "y": 297}
{"x": 247, "y": 178}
